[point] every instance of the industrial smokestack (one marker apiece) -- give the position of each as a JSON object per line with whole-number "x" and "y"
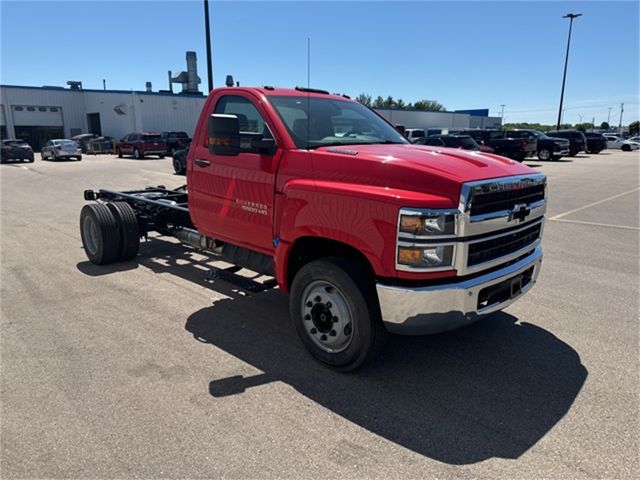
{"x": 192, "y": 72}
{"x": 147, "y": 86}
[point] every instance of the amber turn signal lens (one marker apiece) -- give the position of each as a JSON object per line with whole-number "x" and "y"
{"x": 410, "y": 223}
{"x": 409, "y": 256}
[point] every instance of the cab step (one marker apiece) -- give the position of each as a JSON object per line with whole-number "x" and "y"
{"x": 229, "y": 275}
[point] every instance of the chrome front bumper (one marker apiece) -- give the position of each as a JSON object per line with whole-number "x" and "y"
{"x": 561, "y": 151}
{"x": 438, "y": 308}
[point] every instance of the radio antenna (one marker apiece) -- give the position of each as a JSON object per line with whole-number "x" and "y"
{"x": 308, "y": 62}
{"x": 308, "y": 92}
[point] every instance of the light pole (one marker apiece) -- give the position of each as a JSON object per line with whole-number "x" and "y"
{"x": 620, "y": 126}
{"x": 208, "y": 37}
{"x": 570, "y": 16}
{"x": 609, "y": 116}
{"x": 502, "y": 114}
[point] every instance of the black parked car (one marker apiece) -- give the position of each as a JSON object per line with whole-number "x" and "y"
{"x": 175, "y": 141}
{"x": 15, "y": 150}
{"x": 180, "y": 161}
{"x": 549, "y": 148}
{"x": 596, "y": 142}
{"x": 452, "y": 141}
{"x": 577, "y": 140}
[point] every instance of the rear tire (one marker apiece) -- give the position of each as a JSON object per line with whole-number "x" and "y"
{"x": 335, "y": 311}
{"x": 129, "y": 229}
{"x": 100, "y": 234}
{"x": 136, "y": 154}
{"x": 625, "y": 148}
{"x": 119, "y": 153}
{"x": 177, "y": 166}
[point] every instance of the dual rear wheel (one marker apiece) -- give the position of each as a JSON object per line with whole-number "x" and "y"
{"x": 109, "y": 232}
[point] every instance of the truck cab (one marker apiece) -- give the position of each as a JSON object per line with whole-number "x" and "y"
{"x": 367, "y": 232}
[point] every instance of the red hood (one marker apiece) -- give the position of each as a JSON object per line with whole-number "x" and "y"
{"x": 416, "y": 168}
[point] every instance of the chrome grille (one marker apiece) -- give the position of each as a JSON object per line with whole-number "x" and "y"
{"x": 487, "y": 250}
{"x": 488, "y": 202}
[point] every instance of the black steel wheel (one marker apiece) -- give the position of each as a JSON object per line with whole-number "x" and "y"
{"x": 334, "y": 308}
{"x": 129, "y": 229}
{"x": 100, "y": 233}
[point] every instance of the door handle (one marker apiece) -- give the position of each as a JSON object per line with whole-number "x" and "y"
{"x": 202, "y": 163}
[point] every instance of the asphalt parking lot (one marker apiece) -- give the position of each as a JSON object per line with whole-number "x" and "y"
{"x": 144, "y": 369}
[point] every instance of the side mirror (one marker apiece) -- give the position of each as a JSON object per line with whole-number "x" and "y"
{"x": 223, "y": 134}
{"x": 266, "y": 146}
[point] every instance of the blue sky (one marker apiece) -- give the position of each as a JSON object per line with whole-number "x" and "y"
{"x": 463, "y": 54}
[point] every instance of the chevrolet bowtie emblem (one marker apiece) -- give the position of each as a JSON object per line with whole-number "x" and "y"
{"x": 519, "y": 212}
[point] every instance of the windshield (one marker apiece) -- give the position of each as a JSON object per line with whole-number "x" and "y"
{"x": 150, "y": 137}
{"x": 64, "y": 142}
{"x": 321, "y": 122}
{"x": 538, "y": 134}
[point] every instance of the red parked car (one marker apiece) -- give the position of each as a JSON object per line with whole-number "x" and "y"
{"x": 140, "y": 144}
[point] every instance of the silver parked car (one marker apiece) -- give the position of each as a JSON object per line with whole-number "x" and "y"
{"x": 61, "y": 148}
{"x": 614, "y": 141}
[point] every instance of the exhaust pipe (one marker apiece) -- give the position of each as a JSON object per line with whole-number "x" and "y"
{"x": 196, "y": 239}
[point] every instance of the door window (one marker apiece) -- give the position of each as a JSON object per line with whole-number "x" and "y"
{"x": 248, "y": 116}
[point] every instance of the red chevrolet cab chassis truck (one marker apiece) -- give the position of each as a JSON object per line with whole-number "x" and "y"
{"x": 367, "y": 232}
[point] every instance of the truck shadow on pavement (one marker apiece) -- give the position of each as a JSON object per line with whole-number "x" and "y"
{"x": 492, "y": 389}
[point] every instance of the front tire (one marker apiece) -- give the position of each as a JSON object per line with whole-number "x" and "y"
{"x": 119, "y": 153}
{"x": 335, "y": 311}
{"x": 626, "y": 148}
{"x": 136, "y": 154}
{"x": 100, "y": 234}
{"x": 544, "y": 154}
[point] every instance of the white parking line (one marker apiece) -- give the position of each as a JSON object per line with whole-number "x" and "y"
{"x": 556, "y": 217}
{"x": 608, "y": 225}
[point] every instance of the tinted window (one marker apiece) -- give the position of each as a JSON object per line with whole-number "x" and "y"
{"x": 248, "y": 116}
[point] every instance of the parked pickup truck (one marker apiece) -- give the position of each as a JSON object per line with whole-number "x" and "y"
{"x": 549, "y": 148}
{"x": 505, "y": 145}
{"x": 367, "y": 232}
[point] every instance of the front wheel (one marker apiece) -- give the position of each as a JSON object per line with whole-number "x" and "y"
{"x": 335, "y": 311}
{"x": 544, "y": 154}
{"x": 119, "y": 153}
{"x": 626, "y": 148}
{"x": 136, "y": 154}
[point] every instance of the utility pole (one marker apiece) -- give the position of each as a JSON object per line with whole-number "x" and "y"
{"x": 609, "y": 116}
{"x": 620, "y": 126}
{"x": 208, "y": 37}
{"x": 570, "y": 16}
{"x": 502, "y": 114}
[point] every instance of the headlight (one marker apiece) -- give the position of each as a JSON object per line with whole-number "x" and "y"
{"x": 437, "y": 256}
{"x": 427, "y": 223}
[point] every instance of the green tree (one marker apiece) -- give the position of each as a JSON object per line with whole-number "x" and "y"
{"x": 583, "y": 127}
{"x": 378, "y": 102}
{"x": 400, "y": 104}
{"x": 388, "y": 102}
{"x": 364, "y": 99}
{"x": 605, "y": 126}
{"x": 634, "y": 128}
{"x": 428, "y": 106}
